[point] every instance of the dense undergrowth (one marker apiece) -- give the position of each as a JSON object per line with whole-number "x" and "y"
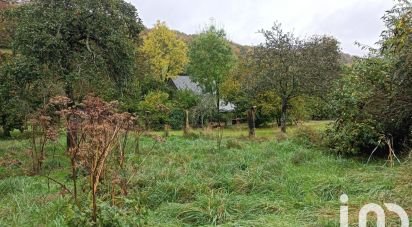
{"x": 181, "y": 181}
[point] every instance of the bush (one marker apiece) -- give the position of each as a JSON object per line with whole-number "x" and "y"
{"x": 108, "y": 215}
{"x": 352, "y": 137}
{"x": 307, "y": 134}
{"x": 176, "y": 119}
{"x": 366, "y": 110}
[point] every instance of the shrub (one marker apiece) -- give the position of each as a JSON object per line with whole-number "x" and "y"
{"x": 363, "y": 104}
{"x": 307, "y": 134}
{"x": 176, "y": 119}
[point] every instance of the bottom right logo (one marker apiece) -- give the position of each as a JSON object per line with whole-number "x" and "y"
{"x": 371, "y": 208}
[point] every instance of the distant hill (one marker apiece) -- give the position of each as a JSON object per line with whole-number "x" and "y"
{"x": 346, "y": 59}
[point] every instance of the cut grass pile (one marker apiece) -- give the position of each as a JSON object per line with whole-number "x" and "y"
{"x": 189, "y": 182}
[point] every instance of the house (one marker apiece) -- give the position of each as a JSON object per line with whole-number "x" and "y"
{"x": 185, "y": 83}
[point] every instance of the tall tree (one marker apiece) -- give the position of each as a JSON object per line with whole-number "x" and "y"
{"x": 79, "y": 40}
{"x": 211, "y": 60}
{"x": 81, "y": 43}
{"x": 165, "y": 52}
{"x": 293, "y": 67}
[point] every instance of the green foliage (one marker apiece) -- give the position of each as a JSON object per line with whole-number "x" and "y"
{"x": 359, "y": 101}
{"x": 373, "y": 101}
{"x": 156, "y": 107}
{"x": 211, "y": 60}
{"x": 108, "y": 215}
{"x": 291, "y": 67}
{"x": 7, "y": 26}
{"x": 21, "y": 91}
{"x": 176, "y": 118}
{"x": 185, "y": 99}
{"x": 90, "y": 41}
{"x": 186, "y": 182}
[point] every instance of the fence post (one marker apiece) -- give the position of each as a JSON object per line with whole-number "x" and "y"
{"x": 251, "y": 117}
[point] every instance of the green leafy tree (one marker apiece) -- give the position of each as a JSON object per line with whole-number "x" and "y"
{"x": 358, "y": 100}
{"x": 165, "y": 52}
{"x": 21, "y": 92}
{"x": 397, "y": 46}
{"x": 7, "y": 26}
{"x": 294, "y": 67}
{"x": 80, "y": 40}
{"x": 373, "y": 101}
{"x": 211, "y": 60}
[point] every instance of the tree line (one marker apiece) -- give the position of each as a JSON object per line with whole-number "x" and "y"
{"x": 75, "y": 48}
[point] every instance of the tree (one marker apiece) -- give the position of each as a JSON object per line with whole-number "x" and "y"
{"x": 21, "y": 91}
{"x": 373, "y": 101}
{"x": 164, "y": 51}
{"x": 203, "y": 109}
{"x": 83, "y": 44}
{"x": 211, "y": 60}
{"x": 79, "y": 40}
{"x": 397, "y": 46}
{"x": 293, "y": 67}
{"x": 6, "y": 25}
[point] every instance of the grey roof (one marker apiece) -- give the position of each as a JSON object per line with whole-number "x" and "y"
{"x": 185, "y": 83}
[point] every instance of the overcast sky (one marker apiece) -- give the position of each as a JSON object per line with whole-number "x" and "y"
{"x": 347, "y": 20}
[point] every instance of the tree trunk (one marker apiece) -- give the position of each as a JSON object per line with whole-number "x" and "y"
{"x": 6, "y": 132}
{"x": 283, "y": 117}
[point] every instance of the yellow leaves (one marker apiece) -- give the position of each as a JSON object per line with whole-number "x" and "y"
{"x": 230, "y": 87}
{"x": 166, "y": 53}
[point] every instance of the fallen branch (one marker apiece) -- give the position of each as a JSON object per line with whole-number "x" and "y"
{"x": 61, "y": 184}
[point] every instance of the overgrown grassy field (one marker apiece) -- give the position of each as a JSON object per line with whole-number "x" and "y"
{"x": 192, "y": 182}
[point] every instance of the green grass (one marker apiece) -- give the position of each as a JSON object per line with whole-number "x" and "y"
{"x": 189, "y": 182}
{"x": 270, "y": 132}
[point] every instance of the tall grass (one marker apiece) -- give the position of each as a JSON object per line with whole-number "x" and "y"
{"x": 188, "y": 182}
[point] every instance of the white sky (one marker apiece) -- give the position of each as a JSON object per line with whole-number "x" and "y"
{"x": 347, "y": 20}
